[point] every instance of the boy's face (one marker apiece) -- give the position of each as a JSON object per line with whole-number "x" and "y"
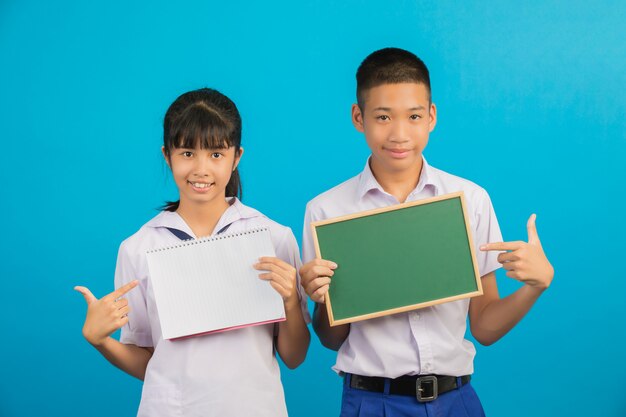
{"x": 396, "y": 120}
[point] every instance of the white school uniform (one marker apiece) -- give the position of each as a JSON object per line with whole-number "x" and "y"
{"x": 233, "y": 373}
{"x": 426, "y": 341}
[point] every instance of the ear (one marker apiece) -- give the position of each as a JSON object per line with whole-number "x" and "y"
{"x": 433, "y": 117}
{"x": 167, "y": 159}
{"x": 357, "y": 118}
{"x": 238, "y": 158}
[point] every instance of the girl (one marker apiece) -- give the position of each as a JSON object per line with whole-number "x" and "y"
{"x": 232, "y": 373}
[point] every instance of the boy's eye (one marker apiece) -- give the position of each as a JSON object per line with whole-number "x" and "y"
{"x": 383, "y": 117}
{"x": 415, "y": 117}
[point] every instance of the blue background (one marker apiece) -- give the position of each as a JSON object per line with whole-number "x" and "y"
{"x": 531, "y": 104}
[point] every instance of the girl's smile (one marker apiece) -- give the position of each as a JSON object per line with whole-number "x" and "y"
{"x": 201, "y": 187}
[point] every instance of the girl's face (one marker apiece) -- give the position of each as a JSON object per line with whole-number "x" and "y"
{"x": 201, "y": 175}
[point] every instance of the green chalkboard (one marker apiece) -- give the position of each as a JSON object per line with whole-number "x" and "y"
{"x": 398, "y": 258}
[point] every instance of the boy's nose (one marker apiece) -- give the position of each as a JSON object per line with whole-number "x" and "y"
{"x": 399, "y": 133}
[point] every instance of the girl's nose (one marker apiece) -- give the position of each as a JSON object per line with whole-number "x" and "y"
{"x": 201, "y": 168}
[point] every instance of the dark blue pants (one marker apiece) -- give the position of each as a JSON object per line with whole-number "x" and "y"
{"x": 461, "y": 402}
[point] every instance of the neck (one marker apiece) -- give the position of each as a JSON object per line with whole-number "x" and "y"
{"x": 202, "y": 217}
{"x": 397, "y": 183}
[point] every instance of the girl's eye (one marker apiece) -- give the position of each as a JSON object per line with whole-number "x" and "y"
{"x": 187, "y": 154}
{"x": 216, "y": 155}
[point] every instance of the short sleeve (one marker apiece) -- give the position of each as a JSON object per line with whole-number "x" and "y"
{"x": 137, "y": 331}
{"x": 288, "y": 251}
{"x": 308, "y": 248}
{"x": 486, "y": 230}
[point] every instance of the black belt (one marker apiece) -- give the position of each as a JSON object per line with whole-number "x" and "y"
{"x": 423, "y": 387}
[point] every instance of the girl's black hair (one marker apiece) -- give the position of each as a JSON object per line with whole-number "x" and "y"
{"x": 207, "y": 118}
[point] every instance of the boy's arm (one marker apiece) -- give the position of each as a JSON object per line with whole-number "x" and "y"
{"x": 315, "y": 277}
{"x": 331, "y": 337}
{"x": 492, "y": 317}
{"x": 105, "y": 316}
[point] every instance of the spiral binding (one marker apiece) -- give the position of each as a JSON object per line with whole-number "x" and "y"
{"x": 191, "y": 242}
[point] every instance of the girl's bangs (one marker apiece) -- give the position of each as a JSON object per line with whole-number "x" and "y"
{"x": 201, "y": 127}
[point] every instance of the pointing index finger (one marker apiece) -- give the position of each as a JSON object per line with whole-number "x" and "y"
{"x": 500, "y": 246}
{"x": 124, "y": 289}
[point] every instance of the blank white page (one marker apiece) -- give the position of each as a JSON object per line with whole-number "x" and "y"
{"x": 209, "y": 284}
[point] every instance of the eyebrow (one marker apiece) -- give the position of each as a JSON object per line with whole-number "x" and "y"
{"x": 388, "y": 109}
{"x": 204, "y": 149}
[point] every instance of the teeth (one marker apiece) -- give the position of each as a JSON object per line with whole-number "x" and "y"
{"x": 200, "y": 185}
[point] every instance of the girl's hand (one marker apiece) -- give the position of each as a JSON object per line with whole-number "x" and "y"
{"x": 525, "y": 262}
{"x": 315, "y": 276}
{"x": 106, "y": 315}
{"x": 282, "y": 277}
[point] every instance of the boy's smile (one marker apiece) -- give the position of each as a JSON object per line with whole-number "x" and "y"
{"x": 397, "y": 120}
{"x": 397, "y": 153}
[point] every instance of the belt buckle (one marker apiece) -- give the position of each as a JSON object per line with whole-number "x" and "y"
{"x": 424, "y": 385}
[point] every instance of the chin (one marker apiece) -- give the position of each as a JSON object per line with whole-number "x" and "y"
{"x": 403, "y": 164}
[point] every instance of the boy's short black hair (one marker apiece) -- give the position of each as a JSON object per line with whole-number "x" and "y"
{"x": 390, "y": 66}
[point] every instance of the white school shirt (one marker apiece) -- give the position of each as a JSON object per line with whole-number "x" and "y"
{"x": 233, "y": 373}
{"x": 426, "y": 341}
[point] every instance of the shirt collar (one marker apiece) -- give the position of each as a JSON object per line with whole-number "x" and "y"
{"x": 367, "y": 181}
{"x": 235, "y": 211}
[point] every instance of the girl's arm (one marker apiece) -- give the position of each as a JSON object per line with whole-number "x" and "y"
{"x": 492, "y": 317}
{"x": 293, "y": 334}
{"x": 105, "y": 316}
{"x": 129, "y": 358}
{"x": 293, "y": 338}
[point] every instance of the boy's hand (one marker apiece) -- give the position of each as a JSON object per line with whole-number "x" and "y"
{"x": 106, "y": 315}
{"x": 315, "y": 276}
{"x": 282, "y": 277}
{"x": 525, "y": 262}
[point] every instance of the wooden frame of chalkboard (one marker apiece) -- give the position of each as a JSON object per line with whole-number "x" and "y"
{"x": 398, "y": 258}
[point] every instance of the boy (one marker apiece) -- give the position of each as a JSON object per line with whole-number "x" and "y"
{"x": 416, "y": 363}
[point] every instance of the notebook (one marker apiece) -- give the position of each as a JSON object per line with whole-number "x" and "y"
{"x": 209, "y": 285}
